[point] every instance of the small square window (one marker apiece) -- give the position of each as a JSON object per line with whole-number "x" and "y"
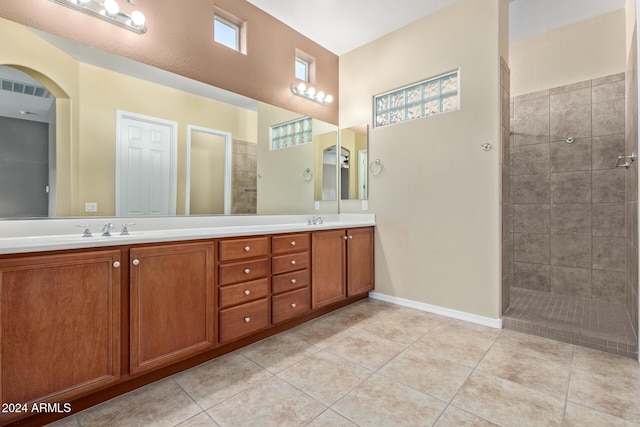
{"x": 305, "y": 67}
{"x": 226, "y": 33}
{"x": 302, "y": 70}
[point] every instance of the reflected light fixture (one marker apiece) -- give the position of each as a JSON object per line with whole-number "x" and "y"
{"x": 108, "y": 11}
{"x": 310, "y": 93}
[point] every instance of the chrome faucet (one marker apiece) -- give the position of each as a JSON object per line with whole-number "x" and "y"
{"x": 315, "y": 220}
{"x": 106, "y": 229}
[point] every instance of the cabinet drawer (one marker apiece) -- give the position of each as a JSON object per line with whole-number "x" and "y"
{"x": 290, "y": 305}
{"x": 291, "y": 262}
{"x": 290, "y": 243}
{"x": 243, "y": 292}
{"x": 244, "y": 319}
{"x": 242, "y": 271}
{"x": 289, "y": 281}
{"x": 243, "y": 248}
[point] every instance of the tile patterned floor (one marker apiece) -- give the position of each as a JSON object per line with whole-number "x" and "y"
{"x": 591, "y": 323}
{"x": 378, "y": 364}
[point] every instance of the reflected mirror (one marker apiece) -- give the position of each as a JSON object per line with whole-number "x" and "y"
{"x": 191, "y": 149}
{"x": 353, "y": 162}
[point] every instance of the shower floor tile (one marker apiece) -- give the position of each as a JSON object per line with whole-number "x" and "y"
{"x": 590, "y": 323}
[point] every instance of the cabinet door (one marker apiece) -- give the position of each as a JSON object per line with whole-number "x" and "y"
{"x": 328, "y": 267}
{"x": 172, "y": 303}
{"x": 60, "y": 325}
{"x": 359, "y": 260}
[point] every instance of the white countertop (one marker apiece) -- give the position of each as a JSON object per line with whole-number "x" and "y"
{"x": 22, "y": 236}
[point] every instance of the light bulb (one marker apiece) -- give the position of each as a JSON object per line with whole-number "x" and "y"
{"x": 301, "y": 87}
{"x": 138, "y": 19}
{"x": 82, "y": 3}
{"x": 111, "y": 6}
{"x": 320, "y": 96}
{"x": 328, "y": 99}
{"x": 311, "y": 91}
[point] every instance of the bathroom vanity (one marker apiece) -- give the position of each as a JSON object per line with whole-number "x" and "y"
{"x": 99, "y": 316}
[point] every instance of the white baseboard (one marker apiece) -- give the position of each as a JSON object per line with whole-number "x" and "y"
{"x": 460, "y": 315}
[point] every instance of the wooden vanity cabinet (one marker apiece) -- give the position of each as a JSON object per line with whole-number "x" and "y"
{"x": 243, "y": 287}
{"x": 172, "y": 303}
{"x": 342, "y": 263}
{"x": 290, "y": 281}
{"x": 60, "y": 326}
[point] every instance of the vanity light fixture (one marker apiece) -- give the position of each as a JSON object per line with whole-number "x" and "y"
{"x": 108, "y": 11}
{"x": 310, "y": 93}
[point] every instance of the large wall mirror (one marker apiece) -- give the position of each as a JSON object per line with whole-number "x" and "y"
{"x": 88, "y": 133}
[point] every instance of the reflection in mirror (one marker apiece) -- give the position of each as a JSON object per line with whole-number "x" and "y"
{"x": 354, "y": 162}
{"x": 90, "y": 86}
{"x": 284, "y": 186}
{"x": 326, "y": 162}
{"x": 27, "y": 146}
{"x": 209, "y": 154}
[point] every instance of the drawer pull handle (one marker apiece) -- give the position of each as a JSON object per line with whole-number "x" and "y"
{"x": 247, "y": 319}
{"x": 293, "y": 262}
{"x": 247, "y": 271}
{"x": 293, "y": 305}
{"x": 247, "y": 292}
{"x": 247, "y": 248}
{"x": 116, "y": 264}
{"x": 293, "y": 243}
{"x": 136, "y": 262}
{"x": 294, "y": 281}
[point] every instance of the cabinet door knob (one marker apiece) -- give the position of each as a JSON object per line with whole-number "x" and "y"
{"x": 116, "y": 264}
{"x": 135, "y": 262}
{"x": 345, "y": 237}
{"x": 247, "y": 292}
{"x": 350, "y": 237}
{"x": 247, "y": 248}
{"x": 247, "y": 271}
{"x": 293, "y": 262}
{"x": 293, "y": 243}
{"x": 247, "y": 319}
{"x": 293, "y": 305}
{"x": 294, "y": 281}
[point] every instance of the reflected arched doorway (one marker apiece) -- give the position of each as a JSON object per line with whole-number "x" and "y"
{"x": 27, "y": 146}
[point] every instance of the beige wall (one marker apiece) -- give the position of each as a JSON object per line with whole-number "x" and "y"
{"x": 437, "y": 204}
{"x": 583, "y": 51}
{"x": 180, "y": 39}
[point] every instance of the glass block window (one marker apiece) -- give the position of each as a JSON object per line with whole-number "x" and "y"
{"x": 433, "y": 96}
{"x": 290, "y": 134}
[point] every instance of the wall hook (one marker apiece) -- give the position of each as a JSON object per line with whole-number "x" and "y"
{"x": 486, "y": 147}
{"x": 307, "y": 175}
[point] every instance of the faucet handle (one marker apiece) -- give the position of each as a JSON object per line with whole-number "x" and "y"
{"x": 320, "y": 220}
{"x": 124, "y": 231}
{"x": 86, "y": 232}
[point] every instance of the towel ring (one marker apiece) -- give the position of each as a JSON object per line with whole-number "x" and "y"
{"x": 376, "y": 167}
{"x": 307, "y": 175}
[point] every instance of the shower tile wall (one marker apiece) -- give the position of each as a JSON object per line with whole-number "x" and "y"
{"x": 244, "y": 182}
{"x": 507, "y": 209}
{"x": 631, "y": 199}
{"x": 569, "y": 199}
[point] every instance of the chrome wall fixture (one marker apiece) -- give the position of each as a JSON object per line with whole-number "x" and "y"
{"x": 311, "y": 94}
{"x": 109, "y": 11}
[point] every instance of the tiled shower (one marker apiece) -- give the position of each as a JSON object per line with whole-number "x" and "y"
{"x": 567, "y": 214}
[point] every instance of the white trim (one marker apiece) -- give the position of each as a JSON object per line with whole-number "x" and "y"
{"x": 460, "y": 315}
{"x": 228, "y": 159}
{"x": 173, "y": 150}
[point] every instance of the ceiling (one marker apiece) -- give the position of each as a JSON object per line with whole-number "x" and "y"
{"x": 343, "y": 25}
